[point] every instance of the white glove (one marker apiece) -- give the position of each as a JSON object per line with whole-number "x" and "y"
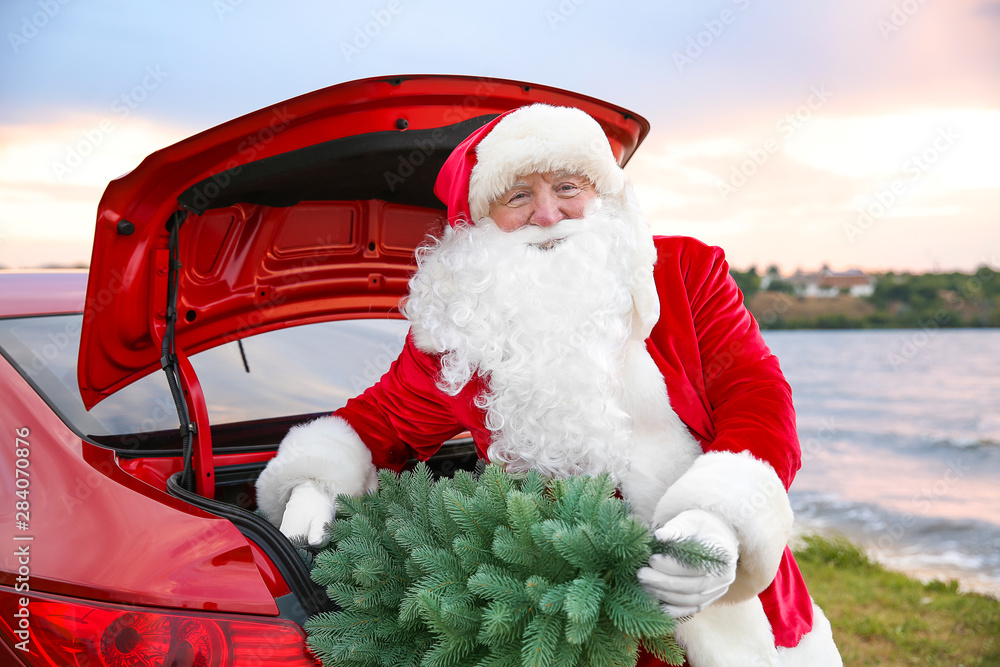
{"x": 685, "y": 591}
{"x": 307, "y": 512}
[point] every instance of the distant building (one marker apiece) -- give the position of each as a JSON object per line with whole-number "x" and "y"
{"x": 825, "y": 284}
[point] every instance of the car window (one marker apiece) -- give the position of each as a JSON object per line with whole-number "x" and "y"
{"x": 293, "y": 371}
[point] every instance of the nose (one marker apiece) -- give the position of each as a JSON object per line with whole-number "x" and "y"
{"x": 548, "y": 210}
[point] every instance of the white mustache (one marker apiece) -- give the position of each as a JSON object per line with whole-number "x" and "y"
{"x": 543, "y": 238}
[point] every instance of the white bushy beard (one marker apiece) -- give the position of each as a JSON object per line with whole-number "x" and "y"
{"x": 544, "y": 315}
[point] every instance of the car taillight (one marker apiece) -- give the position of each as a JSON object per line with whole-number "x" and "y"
{"x": 67, "y": 632}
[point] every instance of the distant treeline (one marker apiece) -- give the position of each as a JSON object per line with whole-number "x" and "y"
{"x": 900, "y": 300}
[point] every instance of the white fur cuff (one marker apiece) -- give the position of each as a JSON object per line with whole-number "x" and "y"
{"x": 326, "y": 451}
{"x": 815, "y": 649}
{"x": 746, "y": 493}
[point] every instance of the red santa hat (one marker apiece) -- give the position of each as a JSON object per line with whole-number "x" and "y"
{"x": 536, "y": 138}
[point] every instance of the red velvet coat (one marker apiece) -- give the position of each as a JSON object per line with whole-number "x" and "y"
{"x": 722, "y": 380}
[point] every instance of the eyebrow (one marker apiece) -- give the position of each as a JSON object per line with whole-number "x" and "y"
{"x": 560, "y": 175}
{"x": 515, "y": 186}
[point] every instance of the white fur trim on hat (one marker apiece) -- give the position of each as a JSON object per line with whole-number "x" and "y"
{"x": 326, "y": 451}
{"x": 746, "y": 493}
{"x": 541, "y": 138}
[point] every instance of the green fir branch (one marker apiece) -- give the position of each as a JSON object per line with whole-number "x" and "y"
{"x": 694, "y": 554}
{"x": 494, "y": 570}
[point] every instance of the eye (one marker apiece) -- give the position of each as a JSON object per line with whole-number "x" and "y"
{"x": 567, "y": 188}
{"x": 517, "y": 197}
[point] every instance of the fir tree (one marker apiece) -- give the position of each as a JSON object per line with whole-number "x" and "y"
{"x": 494, "y": 571}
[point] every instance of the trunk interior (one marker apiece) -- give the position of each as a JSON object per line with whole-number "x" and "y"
{"x": 235, "y": 500}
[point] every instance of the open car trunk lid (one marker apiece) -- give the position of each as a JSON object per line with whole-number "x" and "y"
{"x": 305, "y": 211}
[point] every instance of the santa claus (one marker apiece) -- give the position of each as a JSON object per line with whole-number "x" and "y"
{"x": 551, "y": 324}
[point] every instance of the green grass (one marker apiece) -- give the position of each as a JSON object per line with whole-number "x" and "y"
{"x": 885, "y": 618}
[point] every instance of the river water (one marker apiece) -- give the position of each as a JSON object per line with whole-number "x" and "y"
{"x": 900, "y": 431}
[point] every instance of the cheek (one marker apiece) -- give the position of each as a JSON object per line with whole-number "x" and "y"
{"x": 579, "y": 204}
{"x": 576, "y": 208}
{"x": 507, "y": 220}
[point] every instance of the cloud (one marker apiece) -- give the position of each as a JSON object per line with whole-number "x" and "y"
{"x": 956, "y": 147}
{"x": 890, "y": 90}
{"x": 878, "y": 191}
{"x": 52, "y": 176}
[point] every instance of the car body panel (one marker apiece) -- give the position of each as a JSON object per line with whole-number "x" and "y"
{"x": 99, "y": 533}
{"x": 262, "y": 249}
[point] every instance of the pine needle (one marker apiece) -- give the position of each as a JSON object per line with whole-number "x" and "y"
{"x": 694, "y": 554}
{"x": 492, "y": 570}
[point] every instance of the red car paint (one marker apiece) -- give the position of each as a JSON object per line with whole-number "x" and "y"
{"x": 95, "y": 533}
{"x": 112, "y": 554}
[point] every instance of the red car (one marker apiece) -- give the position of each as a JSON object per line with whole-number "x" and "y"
{"x": 259, "y": 264}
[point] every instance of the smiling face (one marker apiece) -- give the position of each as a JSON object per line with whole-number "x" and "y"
{"x": 542, "y": 199}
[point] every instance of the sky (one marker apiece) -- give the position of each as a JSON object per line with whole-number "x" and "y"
{"x": 855, "y": 134}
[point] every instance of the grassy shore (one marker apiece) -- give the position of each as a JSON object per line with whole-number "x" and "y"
{"x": 885, "y": 618}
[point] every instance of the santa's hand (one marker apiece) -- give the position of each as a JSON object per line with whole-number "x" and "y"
{"x": 307, "y": 512}
{"x": 685, "y": 591}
